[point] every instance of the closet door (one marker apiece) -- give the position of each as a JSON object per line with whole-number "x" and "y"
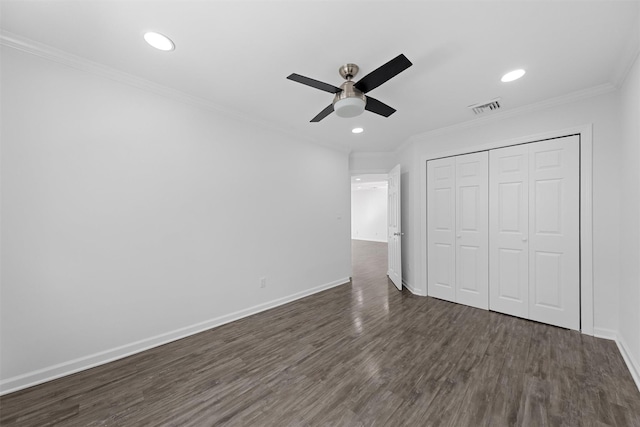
{"x": 509, "y": 231}
{"x": 441, "y": 256}
{"x": 472, "y": 230}
{"x": 554, "y": 230}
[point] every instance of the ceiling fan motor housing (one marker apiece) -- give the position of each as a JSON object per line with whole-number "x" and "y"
{"x": 348, "y": 71}
{"x": 350, "y": 102}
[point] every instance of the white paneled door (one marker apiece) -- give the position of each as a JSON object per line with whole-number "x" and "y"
{"x": 457, "y": 223}
{"x": 472, "y": 230}
{"x": 503, "y": 230}
{"x": 509, "y": 230}
{"x": 554, "y": 230}
{"x": 394, "y": 229}
{"x": 441, "y": 224}
{"x": 534, "y": 269}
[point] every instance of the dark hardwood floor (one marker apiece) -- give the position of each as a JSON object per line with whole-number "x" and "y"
{"x": 359, "y": 354}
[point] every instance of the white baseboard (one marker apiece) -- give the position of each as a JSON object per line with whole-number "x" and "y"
{"x": 40, "y": 376}
{"x": 370, "y": 240}
{"x": 632, "y": 364}
{"x": 608, "y": 334}
{"x": 413, "y": 290}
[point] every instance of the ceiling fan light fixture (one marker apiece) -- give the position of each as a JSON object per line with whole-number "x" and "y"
{"x": 357, "y": 130}
{"x": 349, "y": 107}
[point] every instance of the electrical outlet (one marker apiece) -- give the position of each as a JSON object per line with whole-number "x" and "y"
{"x": 263, "y": 282}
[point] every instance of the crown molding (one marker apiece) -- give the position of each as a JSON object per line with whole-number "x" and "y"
{"x": 65, "y": 58}
{"x": 628, "y": 57}
{"x": 50, "y": 53}
{"x": 525, "y": 109}
{"x": 371, "y": 154}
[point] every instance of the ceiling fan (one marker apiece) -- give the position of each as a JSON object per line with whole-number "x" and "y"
{"x": 350, "y": 99}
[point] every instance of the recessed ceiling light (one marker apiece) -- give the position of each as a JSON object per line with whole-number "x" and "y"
{"x": 358, "y": 179}
{"x": 357, "y": 130}
{"x": 159, "y": 41}
{"x": 512, "y": 75}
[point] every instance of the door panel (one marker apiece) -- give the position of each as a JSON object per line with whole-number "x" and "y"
{"x": 554, "y": 259}
{"x": 508, "y": 231}
{"x": 510, "y": 279}
{"x": 441, "y": 229}
{"x": 549, "y": 276}
{"x": 394, "y": 247}
{"x": 468, "y": 279}
{"x": 472, "y": 246}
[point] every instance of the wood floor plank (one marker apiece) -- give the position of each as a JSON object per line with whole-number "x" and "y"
{"x": 361, "y": 354}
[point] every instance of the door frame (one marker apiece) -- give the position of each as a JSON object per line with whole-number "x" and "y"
{"x": 585, "y": 133}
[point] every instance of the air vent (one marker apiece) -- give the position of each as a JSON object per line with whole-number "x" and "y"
{"x": 492, "y": 105}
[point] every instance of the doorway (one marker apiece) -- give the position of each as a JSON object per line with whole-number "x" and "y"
{"x": 369, "y": 208}
{"x": 369, "y": 220}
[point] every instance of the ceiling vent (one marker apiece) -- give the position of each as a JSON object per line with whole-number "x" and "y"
{"x": 492, "y": 105}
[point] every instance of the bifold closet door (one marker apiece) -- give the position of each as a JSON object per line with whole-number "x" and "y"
{"x": 441, "y": 223}
{"x": 554, "y": 232}
{"x": 509, "y": 230}
{"x": 457, "y": 243}
{"x": 472, "y": 230}
{"x": 534, "y": 227}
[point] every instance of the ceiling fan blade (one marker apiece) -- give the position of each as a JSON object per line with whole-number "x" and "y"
{"x": 314, "y": 83}
{"x": 383, "y": 73}
{"x": 378, "y": 107}
{"x": 322, "y": 114}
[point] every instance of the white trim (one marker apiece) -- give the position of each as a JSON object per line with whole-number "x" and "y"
{"x": 49, "y": 373}
{"x": 587, "y": 322}
{"x": 607, "y": 334}
{"x": 372, "y": 154}
{"x": 623, "y": 348}
{"x": 627, "y": 59}
{"x": 50, "y": 53}
{"x": 586, "y": 209}
{"x": 413, "y": 290}
{"x": 368, "y": 172}
{"x": 623, "y": 72}
{"x": 632, "y": 364}
{"x": 370, "y": 240}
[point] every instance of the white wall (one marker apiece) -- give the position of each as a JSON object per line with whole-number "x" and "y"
{"x": 629, "y": 322}
{"x": 374, "y": 162}
{"x": 129, "y": 218}
{"x": 369, "y": 214}
{"x": 602, "y": 112}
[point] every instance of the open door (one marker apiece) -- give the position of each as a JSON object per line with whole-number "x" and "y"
{"x": 395, "y": 232}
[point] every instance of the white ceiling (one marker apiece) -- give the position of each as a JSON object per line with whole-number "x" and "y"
{"x": 237, "y": 54}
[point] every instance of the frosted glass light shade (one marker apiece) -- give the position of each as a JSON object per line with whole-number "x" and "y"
{"x": 349, "y": 107}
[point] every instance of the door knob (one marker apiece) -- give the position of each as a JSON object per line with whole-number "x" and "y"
{"x": 524, "y": 239}
{"x": 459, "y": 236}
